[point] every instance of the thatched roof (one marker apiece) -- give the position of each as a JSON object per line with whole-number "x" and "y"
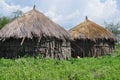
{"x": 90, "y": 30}
{"x": 33, "y": 24}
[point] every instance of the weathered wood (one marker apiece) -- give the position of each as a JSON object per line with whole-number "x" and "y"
{"x": 48, "y": 48}
{"x": 88, "y": 48}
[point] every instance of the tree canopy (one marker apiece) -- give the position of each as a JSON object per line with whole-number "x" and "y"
{"x": 3, "y": 21}
{"x": 114, "y": 28}
{"x": 17, "y": 14}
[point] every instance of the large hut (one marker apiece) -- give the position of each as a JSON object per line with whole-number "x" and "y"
{"x": 32, "y": 34}
{"x": 91, "y": 40}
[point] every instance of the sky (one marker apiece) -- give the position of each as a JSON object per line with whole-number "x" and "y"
{"x": 67, "y": 13}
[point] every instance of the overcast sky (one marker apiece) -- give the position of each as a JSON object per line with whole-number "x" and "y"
{"x": 67, "y": 13}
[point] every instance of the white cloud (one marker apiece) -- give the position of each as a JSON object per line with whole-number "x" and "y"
{"x": 69, "y": 13}
{"x": 6, "y": 9}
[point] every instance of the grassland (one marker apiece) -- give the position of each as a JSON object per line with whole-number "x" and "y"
{"x": 101, "y": 68}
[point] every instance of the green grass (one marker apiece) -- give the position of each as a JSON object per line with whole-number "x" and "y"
{"x": 101, "y": 68}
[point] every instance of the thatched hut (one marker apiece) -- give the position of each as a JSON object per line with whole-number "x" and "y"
{"x": 91, "y": 40}
{"x": 34, "y": 33}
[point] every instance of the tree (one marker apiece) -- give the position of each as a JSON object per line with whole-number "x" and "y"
{"x": 17, "y": 13}
{"x": 3, "y": 21}
{"x": 114, "y": 28}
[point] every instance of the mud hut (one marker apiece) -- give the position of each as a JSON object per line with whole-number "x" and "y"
{"x": 91, "y": 40}
{"x": 33, "y": 33}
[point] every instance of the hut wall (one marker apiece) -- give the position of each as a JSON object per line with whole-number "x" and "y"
{"x": 55, "y": 49}
{"x": 88, "y": 48}
{"x": 12, "y": 48}
{"x": 48, "y": 48}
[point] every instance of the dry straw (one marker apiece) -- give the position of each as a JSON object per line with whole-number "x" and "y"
{"x": 33, "y": 24}
{"x": 90, "y": 30}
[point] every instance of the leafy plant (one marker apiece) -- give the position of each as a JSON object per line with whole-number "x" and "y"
{"x": 27, "y": 68}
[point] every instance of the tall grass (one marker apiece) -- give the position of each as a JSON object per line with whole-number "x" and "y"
{"x": 101, "y": 68}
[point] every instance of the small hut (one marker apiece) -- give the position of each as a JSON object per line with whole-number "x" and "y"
{"x": 32, "y": 34}
{"x": 91, "y": 40}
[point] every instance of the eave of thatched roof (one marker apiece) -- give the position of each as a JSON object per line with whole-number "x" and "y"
{"x": 91, "y": 30}
{"x": 33, "y": 24}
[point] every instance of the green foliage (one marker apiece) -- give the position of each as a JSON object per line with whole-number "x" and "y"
{"x": 17, "y": 14}
{"x": 101, "y": 68}
{"x": 114, "y": 28}
{"x": 4, "y": 21}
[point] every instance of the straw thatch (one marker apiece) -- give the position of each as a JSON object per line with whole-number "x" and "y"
{"x": 90, "y": 39}
{"x": 33, "y": 24}
{"x": 34, "y": 33}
